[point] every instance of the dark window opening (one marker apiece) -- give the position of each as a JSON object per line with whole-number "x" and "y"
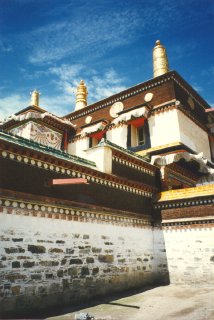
{"x": 141, "y": 136}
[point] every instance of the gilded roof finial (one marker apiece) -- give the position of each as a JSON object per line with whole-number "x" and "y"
{"x": 160, "y": 60}
{"x": 81, "y": 96}
{"x": 35, "y": 98}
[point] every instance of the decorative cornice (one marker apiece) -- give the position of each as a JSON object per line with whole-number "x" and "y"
{"x": 172, "y": 75}
{"x": 187, "y": 193}
{"x": 176, "y": 172}
{"x": 172, "y": 204}
{"x": 189, "y": 90}
{"x": 121, "y": 96}
{"x": 176, "y": 105}
{"x": 43, "y": 210}
{"x": 188, "y": 224}
{"x": 44, "y": 117}
{"x": 130, "y": 164}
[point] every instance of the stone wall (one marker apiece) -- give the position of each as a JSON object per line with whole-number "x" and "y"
{"x": 190, "y": 253}
{"x": 55, "y": 257}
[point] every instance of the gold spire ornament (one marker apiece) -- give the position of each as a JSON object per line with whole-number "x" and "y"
{"x": 160, "y": 60}
{"x": 81, "y": 96}
{"x": 35, "y": 98}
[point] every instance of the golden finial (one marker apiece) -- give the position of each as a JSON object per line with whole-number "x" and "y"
{"x": 81, "y": 96}
{"x": 35, "y": 98}
{"x": 160, "y": 60}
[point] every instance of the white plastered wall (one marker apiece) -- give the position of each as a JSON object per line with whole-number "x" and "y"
{"x": 164, "y": 128}
{"x": 193, "y": 136}
{"x": 173, "y": 126}
{"x": 102, "y": 156}
{"x": 118, "y": 135}
{"x": 78, "y": 147}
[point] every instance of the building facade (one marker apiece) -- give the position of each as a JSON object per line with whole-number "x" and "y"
{"x": 115, "y": 195}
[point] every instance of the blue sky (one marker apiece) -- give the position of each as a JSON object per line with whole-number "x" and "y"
{"x": 52, "y": 44}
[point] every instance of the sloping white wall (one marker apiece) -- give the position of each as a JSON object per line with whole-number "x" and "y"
{"x": 193, "y": 136}
{"x": 164, "y": 128}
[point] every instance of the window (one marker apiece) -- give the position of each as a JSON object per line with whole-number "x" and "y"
{"x": 93, "y": 142}
{"x": 135, "y": 136}
{"x": 141, "y": 136}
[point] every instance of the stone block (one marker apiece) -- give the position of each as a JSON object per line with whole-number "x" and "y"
{"x": 45, "y": 241}
{"x": 72, "y": 271}
{"x": 105, "y": 237}
{"x": 85, "y": 271}
{"x": 63, "y": 262}
{"x": 76, "y": 283}
{"x": 110, "y": 251}
{"x": 3, "y": 238}
{"x": 23, "y": 257}
{"x": 46, "y": 263}
{"x": 17, "y": 239}
{"x": 89, "y": 282}
{"x": 14, "y": 250}
{"x": 60, "y": 273}
{"x": 90, "y": 260}
{"x": 15, "y": 290}
{"x": 36, "y": 276}
{"x": 36, "y": 249}
{"x": 13, "y": 277}
{"x": 69, "y": 251}
{"x": 76, "y": 261}
{"x": 15, "y": 264}
{"x": 106, "y": 258}
{"x": 84, "y": 247}
{"x": 42, "y": 290}
{"x": 96, "y": 250}
{"x": 28, "y": 264}
{"x": 55, "y": 250}
{"x": 84, "y": 251}
{"x": 95, "y": 270}
{"x": 65, "y": 283}
{"x": 85, "y": 236}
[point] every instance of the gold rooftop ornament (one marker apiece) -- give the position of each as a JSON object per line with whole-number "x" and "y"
{"x": 160, "y": 60}
{"x": 35, "y": 98}
{"x": 81, "y": 96}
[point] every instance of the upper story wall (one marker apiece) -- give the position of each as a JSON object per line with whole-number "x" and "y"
{"x": 175, "y": 114}
{"x": 162, "y": 90}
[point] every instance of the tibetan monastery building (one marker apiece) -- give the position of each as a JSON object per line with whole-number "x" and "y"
{"x": 116, "y": 195}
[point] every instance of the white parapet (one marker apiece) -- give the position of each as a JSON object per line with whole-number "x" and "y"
{"x": 102, "y": 156}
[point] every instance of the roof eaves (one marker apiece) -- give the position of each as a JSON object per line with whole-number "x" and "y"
{"x": 9, "y": 137}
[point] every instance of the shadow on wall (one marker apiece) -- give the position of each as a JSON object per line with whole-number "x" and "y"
{"x": 161, "y": 262}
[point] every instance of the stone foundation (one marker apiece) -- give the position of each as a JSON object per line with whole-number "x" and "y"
{"x": 49, "y": 261}
{"x": 190, "y": 252}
